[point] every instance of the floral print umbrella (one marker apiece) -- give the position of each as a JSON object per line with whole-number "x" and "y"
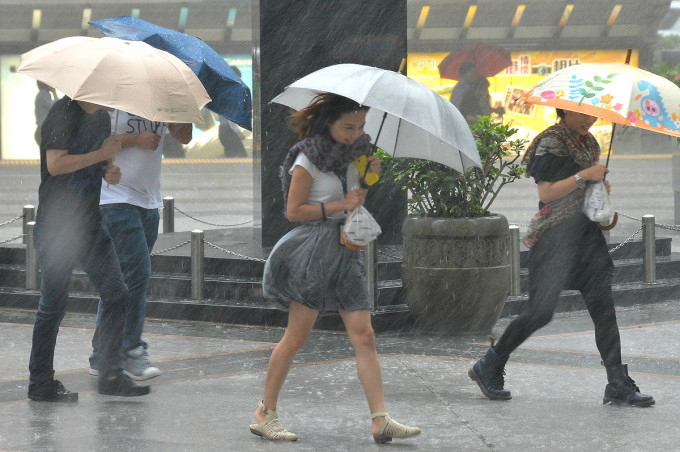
{"x": 616, "y": 92}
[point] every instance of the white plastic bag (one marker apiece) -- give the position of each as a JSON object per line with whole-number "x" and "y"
{"x": 597, "y": 205}
{"x": 360, "y": 228}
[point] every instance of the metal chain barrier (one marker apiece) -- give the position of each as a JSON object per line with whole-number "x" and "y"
{"x": 627, "y": 240}
{"x": 156, "y": 253}
{"x": 670, "y": 227}
{"x": 212, "y": 224}
{"x": 217, "y": 247}
{"x": 11, "y": 221}
{"x": 12, "y": 239}
{"x": 629, "y": 217}
{"x": 385, "y": 253}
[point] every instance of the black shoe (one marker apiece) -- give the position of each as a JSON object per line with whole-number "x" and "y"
{"x": 622, "y": 390}
{"x": 488, "y": 374}
{"x": 119, "y": 384}
{"x": 51, "y": 391}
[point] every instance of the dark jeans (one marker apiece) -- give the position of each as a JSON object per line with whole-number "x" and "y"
{"x": 134, "y": 231}
{"x": 572, "y": 255}
{"x": 59, "y": 249}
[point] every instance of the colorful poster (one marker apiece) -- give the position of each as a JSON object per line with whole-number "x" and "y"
{"x": 528, "y": 67}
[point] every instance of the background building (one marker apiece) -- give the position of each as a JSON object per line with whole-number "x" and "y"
{"x": 539, "y": 34}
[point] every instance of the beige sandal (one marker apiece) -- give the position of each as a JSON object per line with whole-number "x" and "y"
{"x": 270, "y": 427}
{"x": 392, "y": 429}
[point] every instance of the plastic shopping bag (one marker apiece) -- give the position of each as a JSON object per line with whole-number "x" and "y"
{"x": 597, "y": 205}
{"x": 360, "y": 229}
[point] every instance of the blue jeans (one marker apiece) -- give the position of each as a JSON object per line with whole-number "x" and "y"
{"x": 134, "y": 231}
{"x": 60, "y": 247}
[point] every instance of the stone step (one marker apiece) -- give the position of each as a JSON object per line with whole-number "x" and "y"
{"x": 626, "y": 271}
{"x": 389, "y": 267}
{"x": 262, "y": 313}
{"x": 179, "y": 286}
{"x": 631, "y": 250}
{"x": 385, "y": 318}
{"x": 626, "y": 294}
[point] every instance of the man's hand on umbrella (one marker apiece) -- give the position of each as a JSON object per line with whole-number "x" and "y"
{"x": 112, "y": 174}
{"x": 147, "y": 140}
{"x": 111, "y": 146}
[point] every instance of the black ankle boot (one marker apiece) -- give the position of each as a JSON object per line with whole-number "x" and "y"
{"x": 622, "y": 390}
{"x": 488, "y": 374}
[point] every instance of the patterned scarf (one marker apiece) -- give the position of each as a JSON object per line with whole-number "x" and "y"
{"x": 326, "y": 154}
{"x": 562, "y": 142}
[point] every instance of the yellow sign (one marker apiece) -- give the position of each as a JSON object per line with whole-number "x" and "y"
{"x": 527, "y": 69}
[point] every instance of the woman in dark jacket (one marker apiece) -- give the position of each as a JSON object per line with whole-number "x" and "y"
{"x": 567, "y": 251}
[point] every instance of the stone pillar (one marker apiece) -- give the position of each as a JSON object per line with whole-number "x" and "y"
{"x": 291, "y": 40}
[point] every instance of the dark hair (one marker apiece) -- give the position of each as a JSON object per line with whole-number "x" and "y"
{"x": 317, "y": 117}
{"x": 560, "y": 113}
{"x": 466, "y": 66}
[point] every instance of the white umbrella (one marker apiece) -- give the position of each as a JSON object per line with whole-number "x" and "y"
{"x": 417, "y": 123}
{"x": 127, "y": 75}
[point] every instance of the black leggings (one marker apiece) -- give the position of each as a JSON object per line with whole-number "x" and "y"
{"x": 572, "y": 255}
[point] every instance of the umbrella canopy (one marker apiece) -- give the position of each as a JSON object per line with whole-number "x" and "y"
{"x": 617, "y": 92}
{"x": 130, "y": 76}
{"x": 230, "y": 96}
{"x": 406, "y": 118}
{"x": 488, "y": 59}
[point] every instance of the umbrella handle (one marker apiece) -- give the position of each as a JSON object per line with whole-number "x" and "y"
{"x": 609, "y": 151}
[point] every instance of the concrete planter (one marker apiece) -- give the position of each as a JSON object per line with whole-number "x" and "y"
{"x": 456, "y": 272}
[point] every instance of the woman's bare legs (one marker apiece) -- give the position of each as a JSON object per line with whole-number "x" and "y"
{"x": 360, "y": 332}
{"x": 300, "y": 322}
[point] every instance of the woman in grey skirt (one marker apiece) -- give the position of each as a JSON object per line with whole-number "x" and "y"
{"x": 309, "y": 270}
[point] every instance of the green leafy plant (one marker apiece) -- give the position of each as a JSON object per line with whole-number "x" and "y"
{"x": 436, "y": 190}
{"x": 667, "y": 72}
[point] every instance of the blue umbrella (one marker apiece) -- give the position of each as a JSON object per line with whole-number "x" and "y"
{"x": 230, "y": 96}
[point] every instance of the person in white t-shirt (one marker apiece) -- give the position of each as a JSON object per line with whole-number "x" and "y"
{"x": 309, "y": 270}
{"x": 130, "y": 214}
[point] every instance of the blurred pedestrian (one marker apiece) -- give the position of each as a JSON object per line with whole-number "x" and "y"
{"x": 309, "y": 270}
{"x": 129, "y": 211}
{"x": 481, "y": 89}
{"x": 230, "y": 134}
{"x": 463, "y": 96}
{"x": 76, "y": 144}
{"x": 44, "y": 100}
{"x": 567, "y": 251}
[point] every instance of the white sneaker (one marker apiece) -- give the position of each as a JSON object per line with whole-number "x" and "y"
{"x": 94, "y": 372}
{"x": 137, "y": 365}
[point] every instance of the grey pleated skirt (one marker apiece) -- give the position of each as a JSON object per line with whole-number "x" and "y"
{"x": 309, "y": 265}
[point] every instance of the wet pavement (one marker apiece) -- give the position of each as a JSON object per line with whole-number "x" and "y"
{"x": 213, "y": 375}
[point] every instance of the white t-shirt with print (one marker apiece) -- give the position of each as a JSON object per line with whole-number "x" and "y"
{"x": 326, "y": 187}
{"x": 140, "y": 183}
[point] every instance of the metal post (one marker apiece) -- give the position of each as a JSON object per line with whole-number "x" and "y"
{"x": 371, "y": 267}
{"x": 197, "y": 269}
{"x": 168, "y": 214}
{"x": 649, "y": 242}
{"x": 29, "y": 215}
{"x": 31, "y": 259}
{"x": 515, "y": 285}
